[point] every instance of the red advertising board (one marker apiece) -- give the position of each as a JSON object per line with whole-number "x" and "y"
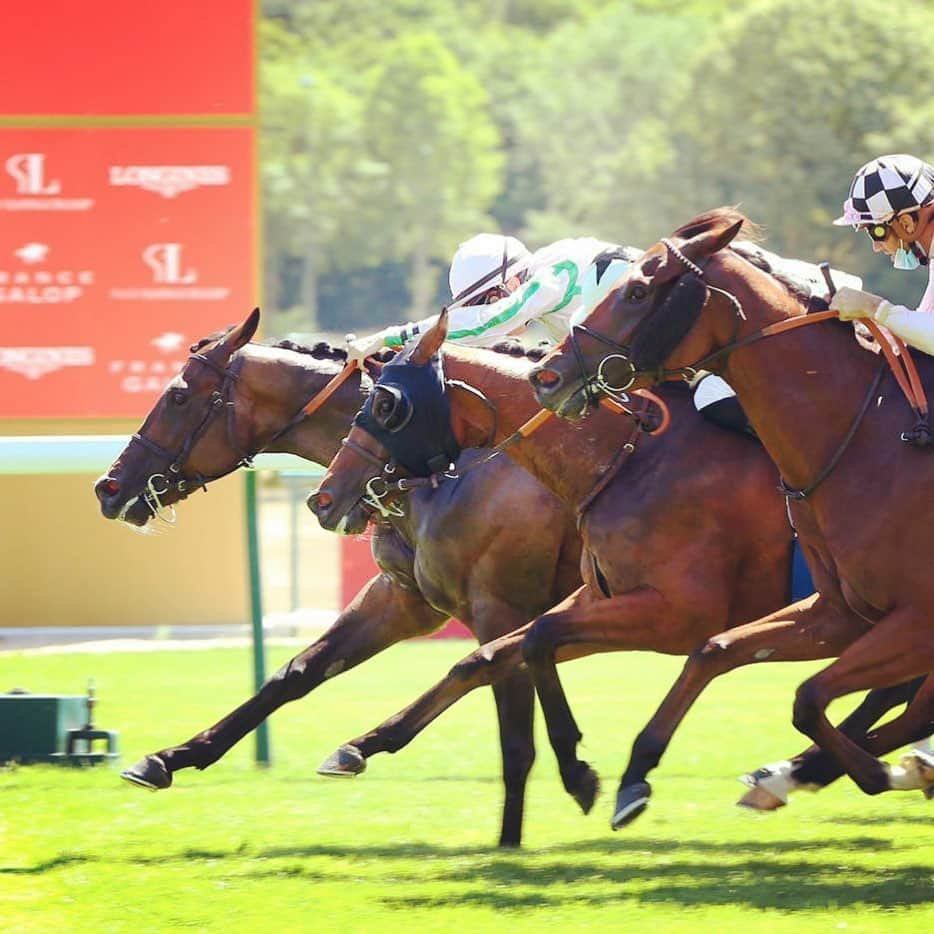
{"x": 122, "y": 57}
{"x": 118, "y": 248}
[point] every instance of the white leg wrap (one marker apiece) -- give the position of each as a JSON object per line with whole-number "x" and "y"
{"x": 915, "y": 770}
{"x": 774, "y": 778}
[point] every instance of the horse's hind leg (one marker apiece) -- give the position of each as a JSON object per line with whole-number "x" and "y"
{"x": 815, "y": 768}
{"x": 582, "y": 625}
{"x": 806, "y": 630}
{"x": 515, "y": 707}
{"x": 493, "y": 663}
{"x": 380, "y": 615}
{"x": 897, "y": 648}
{"x": 483, "y": 666}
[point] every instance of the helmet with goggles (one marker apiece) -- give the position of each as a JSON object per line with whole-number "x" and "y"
{"x": 484, "y": 262}
{"x": 885, "y": 188}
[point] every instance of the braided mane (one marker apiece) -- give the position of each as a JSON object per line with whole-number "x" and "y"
{"x": 514, "y": 348}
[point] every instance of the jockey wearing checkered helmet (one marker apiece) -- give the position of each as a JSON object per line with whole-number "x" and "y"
{"x": 891, "y": 198}
{"x": 499, "y": 288}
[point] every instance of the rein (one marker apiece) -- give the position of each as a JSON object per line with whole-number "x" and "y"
{"x": 626, "y": 450}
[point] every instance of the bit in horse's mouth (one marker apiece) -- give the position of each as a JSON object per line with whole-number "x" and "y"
{"x": 575, "y": 406}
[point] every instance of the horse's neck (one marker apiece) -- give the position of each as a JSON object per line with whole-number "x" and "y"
{"x": 283, "y": 383}
{"x": 801, "y": 390}
{"x": 567, "y": 459}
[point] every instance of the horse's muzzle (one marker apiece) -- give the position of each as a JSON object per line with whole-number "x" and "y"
{"x": 108, "y": 490}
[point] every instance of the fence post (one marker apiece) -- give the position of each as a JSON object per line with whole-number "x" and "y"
{"x": 256, "y": 610}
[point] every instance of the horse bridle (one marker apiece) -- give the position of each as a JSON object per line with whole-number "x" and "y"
{"x": 597, "y": 382}
{"x": 159, "y": 484}
{"x": 920, "y": 435}
{"x": 385, "y": 485}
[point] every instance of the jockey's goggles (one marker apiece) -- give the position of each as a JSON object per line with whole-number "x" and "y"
{"x": 490, "y": 296}
{"x": 876, "y": 232}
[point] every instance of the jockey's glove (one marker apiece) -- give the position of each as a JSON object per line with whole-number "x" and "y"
{"x": 854, "y": 303}
{"x": 359, "y": 348}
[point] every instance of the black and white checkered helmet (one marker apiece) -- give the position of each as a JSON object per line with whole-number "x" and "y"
{"x": 886, "y": 187}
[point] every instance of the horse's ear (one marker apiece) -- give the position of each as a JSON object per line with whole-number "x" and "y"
{"x": 241, "y": 335}
{"x": 431, "y": 341}
{"x": 712, "y": 240}
{"x": 472, "y": 421}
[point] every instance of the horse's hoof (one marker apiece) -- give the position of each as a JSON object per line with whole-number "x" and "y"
{"x": 919, "y": 763}
{"x": 631, "y": 801}
{"x": 585, "y": 788}
{"x": 150, "y": 772}
{"x": 760, "y": 799}
{"x": 346, "y": 762}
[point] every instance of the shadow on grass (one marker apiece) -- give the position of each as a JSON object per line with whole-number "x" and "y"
{"x": 507, "y": 881}
{"x": 56, "y": 862}
{"x": 644, "y": 870}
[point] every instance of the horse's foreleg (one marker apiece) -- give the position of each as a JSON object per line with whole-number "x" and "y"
{"x": 380, "y": 615}
{"x": 899, "y": 647}
{"x": 815, "y": 768}
{"x": 581, "y": 625}
{"x": 806, "y": 630}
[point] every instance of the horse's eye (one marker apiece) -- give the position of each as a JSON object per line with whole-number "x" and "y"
{"x": 178, "y": 397}
{"x": 637, "y": 292}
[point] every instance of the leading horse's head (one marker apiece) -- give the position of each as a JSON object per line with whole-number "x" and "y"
{"x": 191, "y": 436}
{"x": 649, "y": 327}
{"x": 404, "y": 430}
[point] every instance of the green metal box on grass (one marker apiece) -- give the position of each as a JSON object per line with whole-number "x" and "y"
{"x": 34, "y": 727}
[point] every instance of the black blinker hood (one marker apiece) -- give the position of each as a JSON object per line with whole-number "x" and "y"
{"x": 676, "y": 314}
{"x": 424, "y": 444}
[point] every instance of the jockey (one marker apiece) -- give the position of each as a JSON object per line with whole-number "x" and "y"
{"x": 499, "y": 288}
{"x": 892, "y": 199}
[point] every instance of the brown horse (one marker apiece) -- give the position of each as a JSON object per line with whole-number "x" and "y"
{"x": 830, "y": 418}
{"x": 518, "y": 554}
{"x": 674, "y": 554}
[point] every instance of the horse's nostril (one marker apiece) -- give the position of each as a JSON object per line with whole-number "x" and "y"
{"x": 319, "y": 500}
{"x": 547, "y": 379}
{"x": 108, "y": 487}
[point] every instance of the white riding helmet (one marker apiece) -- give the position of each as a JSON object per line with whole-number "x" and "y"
{"x": 886, "y": 187}
{"x": 484, "y": 261}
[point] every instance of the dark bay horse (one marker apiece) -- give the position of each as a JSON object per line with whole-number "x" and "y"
{"x": 682, "y": 539}
{"x": 518, "y": 554}
{"x": 830, "y": 416}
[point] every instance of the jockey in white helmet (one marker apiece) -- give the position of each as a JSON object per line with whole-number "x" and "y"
{"x": 892, "y": 199}
{"x": 498, "y": 288}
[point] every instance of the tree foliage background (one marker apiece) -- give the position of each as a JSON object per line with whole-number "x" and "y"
{"x": 394, "y": 129}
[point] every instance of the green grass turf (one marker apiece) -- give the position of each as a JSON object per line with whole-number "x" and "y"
{"x": 409, "y": 845}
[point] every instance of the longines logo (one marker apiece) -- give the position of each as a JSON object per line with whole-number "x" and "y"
{"x": 173, "y": 278}
{"x": 36, "y": 362}
{"x": 35, "y": 188}
{"x": 38, "y": 285}
{"x": 169, "y": 180}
